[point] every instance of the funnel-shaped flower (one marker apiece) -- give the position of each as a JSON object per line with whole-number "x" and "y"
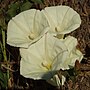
{"x": 26, "y": 28}
{"x": 43, "y": 58}
{"x": 73, "y": 53}
{"x": 62, "y": 19}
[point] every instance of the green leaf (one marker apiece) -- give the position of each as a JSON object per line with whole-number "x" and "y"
{"x": 25, "y": 6}
{"x": 2, "y": 21}
{"x": 3, "y": 79}
{"x": 37, "y": 1}
{"x": 12, "y": 11}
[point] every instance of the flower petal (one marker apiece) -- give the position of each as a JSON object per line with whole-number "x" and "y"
{"x": 55, "y": 81}
{"x": 37, "y": 60}
{"x": 31, "y": 70}
{"x": 26, "y": 28}
{"x": 72, "y": 57}
{"x": 70, "y": 42}
{"x": 73, "y": 53}
{"x": 62, "y": 19}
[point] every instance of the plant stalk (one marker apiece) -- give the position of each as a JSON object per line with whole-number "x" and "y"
{"x": 4, "y": 52}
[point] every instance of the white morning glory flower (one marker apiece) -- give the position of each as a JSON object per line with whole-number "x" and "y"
{"x": 43, "y": 58}
{"x": 73, "y": 53}
{"x": 55, "y": 80}
{"x": 26, "y": 28}
{"x": 42, "y": 55}
{"x": 62, "y": 19}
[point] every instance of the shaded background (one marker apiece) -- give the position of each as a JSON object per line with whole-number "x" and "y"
{"x": 78, "y": 78}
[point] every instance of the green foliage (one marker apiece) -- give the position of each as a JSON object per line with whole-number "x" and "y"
{"x": 3, "y": 80}
{"x": 12, "y": 11}
{"x": 37, "y": 1}
{"x": 25, "y": 6}
{"x": 17, "y": 7}
{"x": 2, "y": 21}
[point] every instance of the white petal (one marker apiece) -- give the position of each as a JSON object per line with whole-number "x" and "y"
{"x": 26, "y": 28}
{"x": 55, "y": 81}
{"x": 63, "y": 80}
{"x": 34, "y": 71}
{"x": 70, "y": 42}
{"x": 72, "y": 57}
{"x": 37, "y": 60}
{"x": 62, "y": 19}
{"x": 73, "y": 53}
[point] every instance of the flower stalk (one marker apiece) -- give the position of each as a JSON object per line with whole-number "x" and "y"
{"x": 3, "y": 47}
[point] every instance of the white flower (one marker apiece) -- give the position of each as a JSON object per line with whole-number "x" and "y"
{"x": 29, "y": 26}
{"x": 43, "y": 58}
{"x": 55, "y": 80}
{"x": 42, "y": 54}
{"x": 26, "y": 28}
{"x": 62, "y": 19}
{"x": 73, "y": 53}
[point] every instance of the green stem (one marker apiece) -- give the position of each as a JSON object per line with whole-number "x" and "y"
{"x": 4, "y": 51}
{"x": 4, "y": 46}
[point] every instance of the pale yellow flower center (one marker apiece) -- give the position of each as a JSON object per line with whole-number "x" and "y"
{"x": 46, "y": 65}
{"x": 31, "y": 36}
